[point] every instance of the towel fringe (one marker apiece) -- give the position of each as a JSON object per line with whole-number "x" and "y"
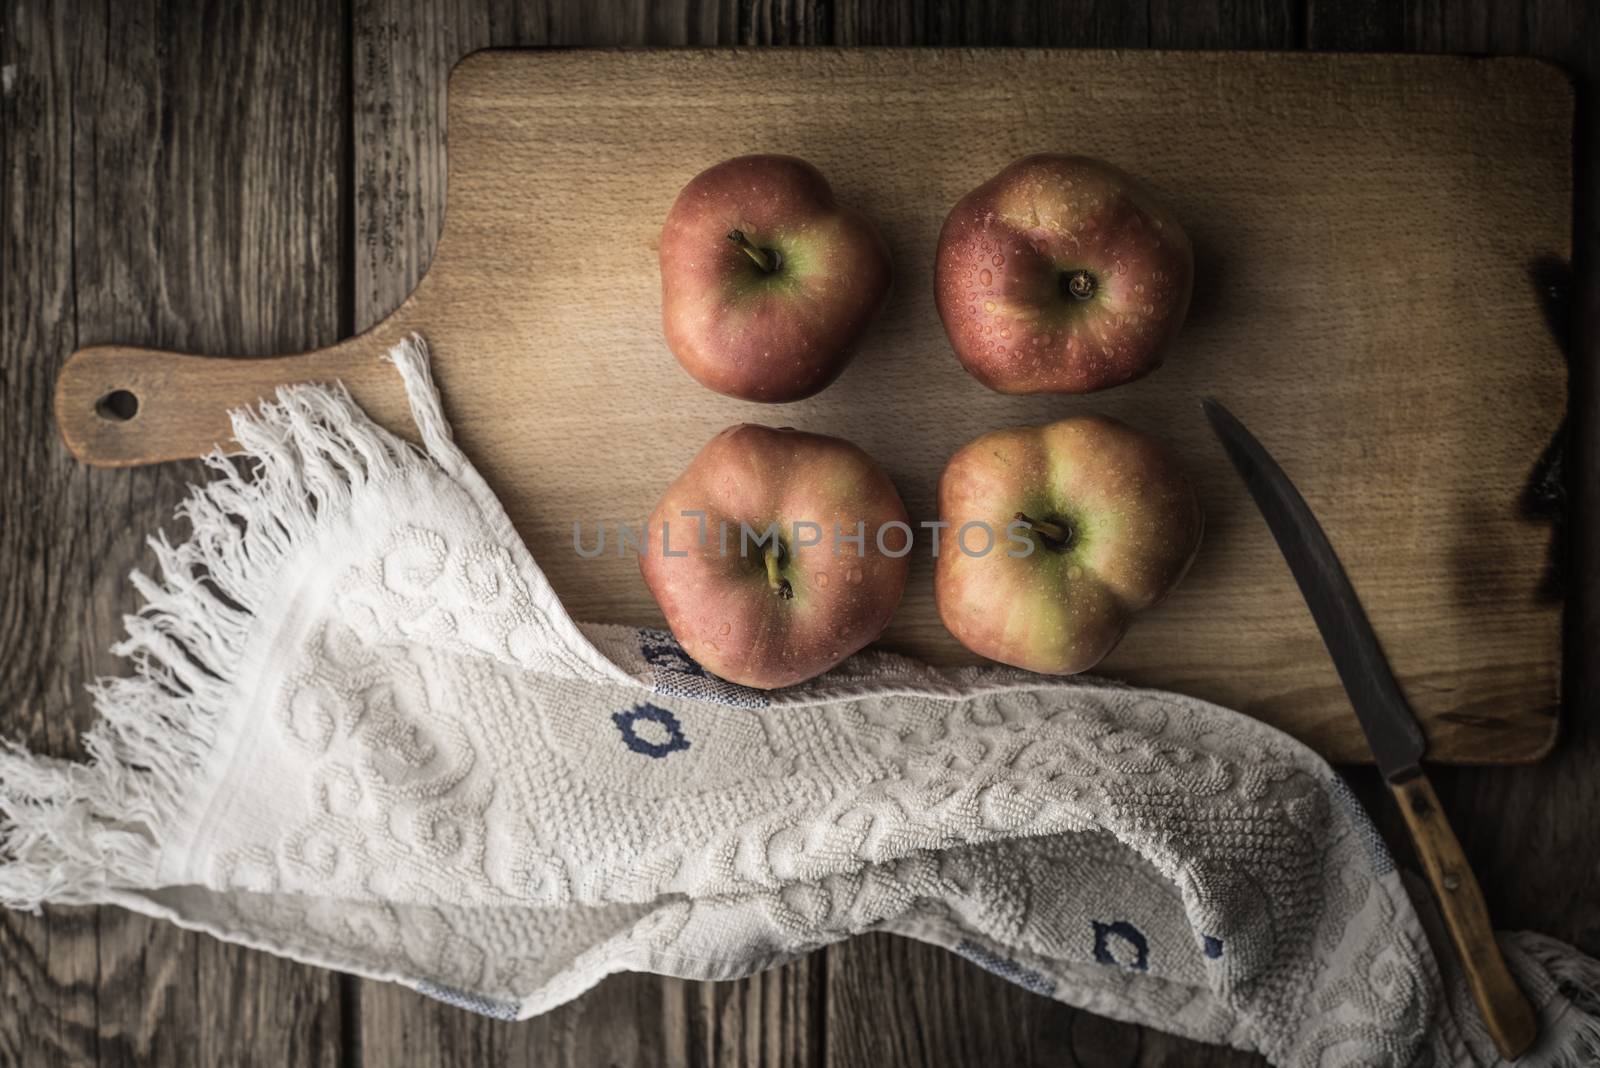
{"x": 70, "y": 830}
{"x": 1570, "y": 1034}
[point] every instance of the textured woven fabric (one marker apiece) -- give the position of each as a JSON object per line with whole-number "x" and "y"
{"x": 362, "y": 731}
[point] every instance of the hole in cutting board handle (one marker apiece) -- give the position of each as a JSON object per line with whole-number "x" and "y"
{"x": 118, "y": 406}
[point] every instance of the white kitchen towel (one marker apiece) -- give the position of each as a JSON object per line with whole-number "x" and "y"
{"x": 361, "y": 731}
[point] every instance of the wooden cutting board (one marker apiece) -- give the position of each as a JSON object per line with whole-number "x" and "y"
{"x": 1364, "y": 230}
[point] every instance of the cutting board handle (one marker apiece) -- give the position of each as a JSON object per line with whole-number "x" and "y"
{"x": 119, "y": 405}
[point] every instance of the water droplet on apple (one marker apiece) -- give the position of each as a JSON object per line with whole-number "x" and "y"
{"x": 1122, "y": 268}
{"x": 985, "y": 277}
{"x": 988, "y": 305}
{"x": 1004, "y": 332}
{"x": 1138, "y": 287}
{"x": 997, "y": 261}
{"x": 1149, "y": 309}
{"x": 854, "y": 576}
{"x": 715, "y": 648}
{"x": 821, "y": 578}
{"x": 726, "y": 628}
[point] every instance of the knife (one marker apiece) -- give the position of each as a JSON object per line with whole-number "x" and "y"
{"x": 1390, "y": 726}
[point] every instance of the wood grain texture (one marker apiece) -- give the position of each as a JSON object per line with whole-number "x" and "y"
{"x": 767, "y": 1021}
{"x": 1341, "y": 311}
{"x": 156, "y": 187}
{"x": 1532, "y": 865}
{"x": 47, "y": 986}
{"x": 169, "y": 132}
{"x": 1505, "y": 1011}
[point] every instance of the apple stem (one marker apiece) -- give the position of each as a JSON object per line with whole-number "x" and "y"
{"x": 766, "y": 259}
{"x": 780, "y": 585}
{"x": 1080, "y": 285}
{"x": 1054, "y": 535}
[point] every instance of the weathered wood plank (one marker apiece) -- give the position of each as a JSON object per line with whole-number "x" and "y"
{"x": 767, "y": 1021}
{"x": 402, "y": 51}
{"x": 1039, "y": 23}
{"x": 1232, "y": 24}
{"x": 1356, "y": 25}
{"x": 47, "y": 983}
{"x": 207, "y": 212}
{"x": 177, "y": 168}
{"x": 897, "y": 1002}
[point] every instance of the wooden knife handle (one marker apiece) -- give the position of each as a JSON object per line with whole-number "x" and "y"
{"x": 1510, "y": 1020}
{"x": 118, "y": 405}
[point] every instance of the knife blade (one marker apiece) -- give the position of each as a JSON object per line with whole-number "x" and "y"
{"x": 1386, "y": 719}
{"x": 1390, "y": 726}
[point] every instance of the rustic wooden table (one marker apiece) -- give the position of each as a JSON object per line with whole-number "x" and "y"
{"x": 260, "y": 177}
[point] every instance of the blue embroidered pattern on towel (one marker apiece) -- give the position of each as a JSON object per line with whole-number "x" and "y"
{"x": 1006, "y": 968}
{"x": 647, "y": 713}
{"x": 1124, "y": 932}
{"x": 674, "y": 673}
{"x": 461, "y": 999}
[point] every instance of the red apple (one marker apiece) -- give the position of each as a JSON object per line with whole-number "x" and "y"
{"x": 1061, "y": 274}
{"x": 774, "y": 612}
{"x": 1092, "y": 522}
{"x": 767, "y": 282}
